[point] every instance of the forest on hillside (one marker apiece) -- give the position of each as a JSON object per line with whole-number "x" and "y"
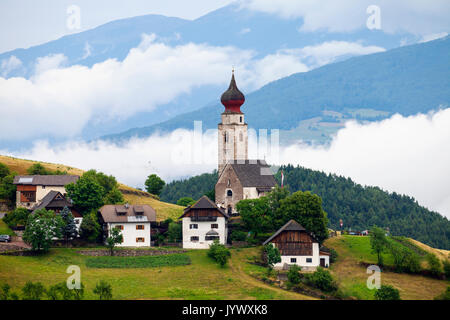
{"x": 359, "y": 207}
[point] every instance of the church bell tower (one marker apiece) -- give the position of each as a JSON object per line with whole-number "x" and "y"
{"x": 232, "y": 131}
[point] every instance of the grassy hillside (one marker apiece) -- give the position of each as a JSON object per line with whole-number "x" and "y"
{"x": 202, "y": 279}
{"x": 131, "y": 195}
{"x": 352, "y": 277}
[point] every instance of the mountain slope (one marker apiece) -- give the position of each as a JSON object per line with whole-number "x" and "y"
{"x": 405, "y": 80}
{"x": 360, "y": 207}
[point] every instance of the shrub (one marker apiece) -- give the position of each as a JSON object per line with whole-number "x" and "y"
{"x": 405, "y": 260}
{"x": 138, "y": 262}
{"x": 434, "y": 265}
{"x": 333, "y": 255}
{"x": 104, "y": 290}
{"x": 17, "y": 217}
{"x": 185, "y": 201}
{"x": 293, "y": 275}
{"x": 90, "y": 228}
{"x": 219, "y": 253}
{"x": 447, "y": 269}
{"x": 272, "y": 255}
{"x": 33, "y": 291}
{"x": 387, "y": 292}
{"x": 61, "y": 292}
{"x": 322, "y": 279}
{"x": 444, "y": 296}
{"x": 4, "y": 290}
{"x": 174, "y": 232}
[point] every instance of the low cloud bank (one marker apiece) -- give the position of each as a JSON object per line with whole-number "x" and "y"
{"x": 408, "y": 155}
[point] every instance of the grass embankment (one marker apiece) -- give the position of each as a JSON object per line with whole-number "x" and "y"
{"x": 202, "y": 279}
{"x": 4, "y": 229}
{"x": 352, "y": 277}
{"x": 138, "y": 262}
{"x": 133, "y": 196}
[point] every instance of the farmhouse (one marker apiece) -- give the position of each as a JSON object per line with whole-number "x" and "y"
{"x": 298, "y": 246}
{"x": 239, "y": 177}
{"x": 56, "y": 201}
{"x": 133, "y": 220}
{"x": 32, "y": 189}
{"x": 204, "y": 222}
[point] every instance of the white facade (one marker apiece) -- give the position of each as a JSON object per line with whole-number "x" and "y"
{"x": 200, "y": 231}
{"x": 135, "y": 234}
{"x": 306, "y": 262}
{"x": 232, "y": 139}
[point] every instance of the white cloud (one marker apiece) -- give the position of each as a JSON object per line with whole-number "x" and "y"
{"x": 245, "y": 30}
{"x": 414, "y": 16}
{"x": 151, "y": 75}
{"x": 9, "y": 65}
{"x": 402, "y": 154}
{"x": 433, "y": 36}
{"x": 87, "y": 50}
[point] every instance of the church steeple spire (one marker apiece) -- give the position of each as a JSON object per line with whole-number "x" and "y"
{"x": 233, "y": 98}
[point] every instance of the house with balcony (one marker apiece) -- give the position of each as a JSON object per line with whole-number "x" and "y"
{"x": 204, "y": 222}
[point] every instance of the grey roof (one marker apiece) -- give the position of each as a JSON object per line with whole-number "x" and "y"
{"x": 49, "y": 200}
{"x": 253, "y": 173}
{"x": 291, "y": 225}
{"x": 110, "y": 212}
{"x": 204, "y": 203}
{"x": 46, "y": 180}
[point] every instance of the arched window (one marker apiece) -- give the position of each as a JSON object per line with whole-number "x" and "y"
{"x": 229, "y": 193}
{"x": 229, "y": 210}
{"x": 225, "y": 137}
{"x": 240, "y": 119}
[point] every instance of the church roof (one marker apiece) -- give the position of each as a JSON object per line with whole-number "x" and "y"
{"x": 254, "y": 173}
{"x": 233, "y": 98}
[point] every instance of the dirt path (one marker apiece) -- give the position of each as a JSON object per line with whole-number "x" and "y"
{"x": 236, "y": 266}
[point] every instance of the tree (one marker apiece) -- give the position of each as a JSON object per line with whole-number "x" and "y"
{"x": 444, "y": 295}
{"x": 174, "y": 232}
{"x": 108, "y": 183}
{"x": 185, "y": 201}
{"x": 255, "y": 215}
{"x": 434, "y": 265}
{"x": 405, "y": 260}
{"x": 387, "y": 292}
{"x": 154, "y": 184}
{"x": 322, "y": 280}
{"x": 87, "y": 194}
{"x": 219, "y": 253}
{"x": 90, "y": 228}
{"x": 36, "y": 169}
{"x": 42, "y": 227}
{"x": 274, "y": 198}
{"x": 114, "y": 197}
{"x": 18, "y": 216}
{"x": 306, "y": 209}
{"x": 379, "y": 243}
{"x": 7, "y": 187}
{"x": 69, "y": 228}
{"x": 103, "y": 290}
{"x": 446, "y": 264}
{"x": 33, "y": 291}
{"x": 272, "y": 255}
{"x": 4, "y": 170}
{"x": 115, "y": 237}
{"x": 294, "y": 274}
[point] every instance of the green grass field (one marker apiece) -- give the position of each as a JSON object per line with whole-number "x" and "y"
{"x": 4, "y": 229}
{"x": 138, "y": 262}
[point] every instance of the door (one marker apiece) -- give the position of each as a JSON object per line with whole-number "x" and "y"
{"x": 322, "y": 262}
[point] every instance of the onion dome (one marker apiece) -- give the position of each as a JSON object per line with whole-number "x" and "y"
{"x": 232, "y": 99}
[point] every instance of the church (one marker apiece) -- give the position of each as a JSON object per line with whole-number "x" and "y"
{"x": 239, "y": 177}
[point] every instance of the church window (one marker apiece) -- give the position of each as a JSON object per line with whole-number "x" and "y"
{"x": 225, "y": 137}
{"x": 229, "y": 193}
{"x": 240, "y": 119}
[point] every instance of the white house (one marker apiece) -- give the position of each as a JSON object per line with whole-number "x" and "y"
{"x": 298, "y": 246}
{"x": 204, "y": 222}
{"x": 31, "y": 190}
{"x": 133, "y": 220}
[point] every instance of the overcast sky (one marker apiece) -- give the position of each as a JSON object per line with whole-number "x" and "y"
{"x": 24, "y": 23}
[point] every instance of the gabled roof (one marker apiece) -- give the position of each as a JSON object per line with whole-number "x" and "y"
{"x": 46, "y": 180}
{"x": 291, "y": 225}
{"x": 204, "y": 203}
{"x": 253, "y": 173}
{"x": 53, "y": 199}
{"x": 127, "y": 213}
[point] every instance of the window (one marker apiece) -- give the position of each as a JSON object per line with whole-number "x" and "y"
{"x": 28, "y": 196}
{"x": 229, "y": 193}
{"x": 193, "y": 226}
{"x": 214, "y": 226}
{"x": 139, "y": 227}
{"x": 308, "y": 260}
{"x": 240, "y": 119}
{"x": 140, "y": 240}
{"x": 195, "y": 238}
{"x": 211, "y": 238}
{"x": 120, "y": 227}
{"x": 293, "y": 260}
{"x": 225, "y": 138}
{"x": 77, "y": 221}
